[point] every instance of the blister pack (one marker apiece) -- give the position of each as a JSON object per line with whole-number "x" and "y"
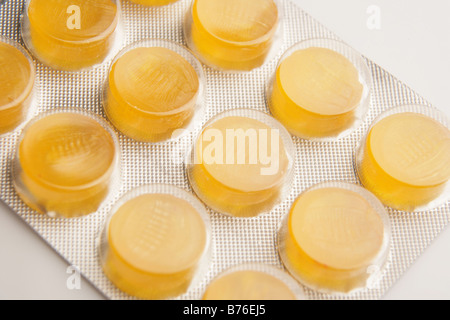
{"x": 234, "y": 240}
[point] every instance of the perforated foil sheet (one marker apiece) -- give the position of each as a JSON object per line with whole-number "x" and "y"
{"x": 235, "y": 240}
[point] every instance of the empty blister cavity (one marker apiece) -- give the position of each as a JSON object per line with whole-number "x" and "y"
{"x": 66, "y": 164}
{"x": 253, "y": 282}
{"x": 404, "y": 159}
{"x": 154, "y": 91}
{"x": 336, "y": 238}
{"x": 234, "y": 35}
{"x": 320, "y": 90}
{"x": 71, "y": 35}
{"x": 242, "y": 163}
{"x": 156, "y": 242}
{"x": 17, "y": 85}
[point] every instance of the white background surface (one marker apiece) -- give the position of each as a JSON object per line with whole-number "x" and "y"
{"x": 413, "y": 43}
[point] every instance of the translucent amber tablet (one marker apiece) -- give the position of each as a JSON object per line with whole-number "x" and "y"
{"x": 66, "y": 161}
{"x": 72, "y": 34}
{"x": 234, "y": 34}
{"x": 17, "y": 79}
{"x": 154, "y": 2}
{"x": 151, "y": 93}
{"x": 316, "y": 92}
{"x": 155, "y": 244}
{"x": 333, "y": 236}
{"x": 236, "y": 182}
{"x": 406, "y": 160}
{"x": 248, "y": 285}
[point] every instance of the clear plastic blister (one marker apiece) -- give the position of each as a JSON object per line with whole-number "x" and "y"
{"x": 320, "y": 122}
{"x": 236, "y": 240}
{"x": 133, "y": 94}
{"x": 243, "y": 49}
{"x": 242, "y": 163}
{"x": 254, "y": 281}
{"x": 420, "y": 181}
{"x": 156, "y": 242}
{"x": 17, "y": 107}
{"x": 67, "y": 163}
{"x": 332, "y": 215}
